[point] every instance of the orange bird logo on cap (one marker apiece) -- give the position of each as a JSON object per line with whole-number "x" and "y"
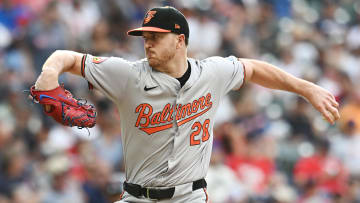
{"x": 149, "y": 16}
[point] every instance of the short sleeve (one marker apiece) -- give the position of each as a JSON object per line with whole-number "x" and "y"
{"x": 109, "y": 75}
{"x": 230, "y": 71}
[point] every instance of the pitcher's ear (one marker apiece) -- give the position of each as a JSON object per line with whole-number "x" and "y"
{"x": 181, "y": 39}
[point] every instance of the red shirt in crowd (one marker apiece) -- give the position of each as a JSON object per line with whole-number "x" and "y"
{"x": 327, "y": 172}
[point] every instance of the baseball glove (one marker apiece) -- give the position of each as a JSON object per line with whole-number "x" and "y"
{"x": 64, "y": 108}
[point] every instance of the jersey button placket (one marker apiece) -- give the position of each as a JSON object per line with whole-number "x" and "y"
{"x": 179, "y": 107}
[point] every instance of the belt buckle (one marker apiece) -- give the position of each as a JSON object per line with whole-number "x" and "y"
{"x": 148, "y": 193}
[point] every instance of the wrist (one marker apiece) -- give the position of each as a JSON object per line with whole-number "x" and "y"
{"x": 305, "y": 88}
{"x": 48, "y": 79}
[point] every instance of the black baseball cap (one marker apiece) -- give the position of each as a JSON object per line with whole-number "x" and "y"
{"x": 163, "y": 19}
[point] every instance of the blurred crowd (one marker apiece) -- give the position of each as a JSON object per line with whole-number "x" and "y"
{"x": 269, "y": 146}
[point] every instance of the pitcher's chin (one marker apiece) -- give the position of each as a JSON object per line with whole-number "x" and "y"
{"x": 153, "y": 62}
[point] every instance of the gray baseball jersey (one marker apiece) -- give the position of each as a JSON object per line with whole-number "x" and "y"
{"x": 167, "y": 130}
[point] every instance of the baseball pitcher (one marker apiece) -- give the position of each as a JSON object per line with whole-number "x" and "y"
{"x": 167, "y": 103}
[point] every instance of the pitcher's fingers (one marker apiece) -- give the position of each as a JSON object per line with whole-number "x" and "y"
{"x": 334, "y": 102}
{"x": 334, "y": 111}
{"x": 328, "y": 116}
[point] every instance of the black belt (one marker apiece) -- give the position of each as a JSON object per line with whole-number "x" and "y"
{"x": 158, "y": 194}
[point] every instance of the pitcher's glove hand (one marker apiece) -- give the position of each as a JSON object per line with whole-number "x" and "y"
{"x": 60, "y": 105}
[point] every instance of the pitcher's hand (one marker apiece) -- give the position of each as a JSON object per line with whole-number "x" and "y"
{"x": 324, "y": 102}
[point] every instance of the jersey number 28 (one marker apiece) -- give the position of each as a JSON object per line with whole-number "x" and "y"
{"x": 198, "y": 128}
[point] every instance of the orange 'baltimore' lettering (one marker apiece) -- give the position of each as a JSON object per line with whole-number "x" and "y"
{"x": 149, "y": 122}
{"x": 178, "y": 112}
{"x": 195, "y": 106}
{"x": 202, "y": 103}
{"x": 164, "y": 113}
{"x": 155, "y": 118}
{"x": 141, "y": 108}
{"x": 170, "y": 118}
{"x": 186, "y": 109}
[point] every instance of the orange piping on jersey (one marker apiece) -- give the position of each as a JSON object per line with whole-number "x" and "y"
{"x": 83, "y": 60}
{"x": 121, "y": 195}
{"x": 207, "y": 196}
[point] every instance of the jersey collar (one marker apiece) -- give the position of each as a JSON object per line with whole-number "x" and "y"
{"x": 194, "y": 73}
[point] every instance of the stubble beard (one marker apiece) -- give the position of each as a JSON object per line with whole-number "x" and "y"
{"x": 161, "y": 61}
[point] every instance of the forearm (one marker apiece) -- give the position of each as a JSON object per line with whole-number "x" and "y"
{"x": 270, "y": 76}
{"x": 58, "y": 63}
